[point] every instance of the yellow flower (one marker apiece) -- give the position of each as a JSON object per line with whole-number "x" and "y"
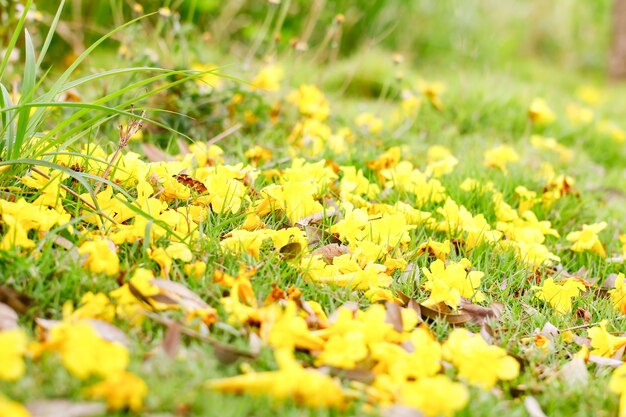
{"x": 478, "y": 362}
{"x": 195, "y": 270}
{"x": 500, "y": 156}
{"x": 579, "y": 115}
{"x": 449, "y": 283}
{"x": 589, "y": 95}
{"x": 344, "y": 351}
{"x": 101, "y": 256}
{"x": 258, "y": 154}
{"x": 10, "y": 408}
{"x": 602, "y": 342}
{"x": 540, "y": 112}
{"x": 435, "y": 396}
{"x": 432, "y": 91}
{"x": 310, "y": 102}
{"x": 208, "y": 78}
{"x": 612, "y": 130}
{"x": 369, "y": 123}
{"x": 127, "y": 303}
{"x": 239, "y": 241}
{"x": 290, "y": 330}
{"x": 551, "y": 144}
{"x": 618, "y": 294}
{"x": 121, "y": 390}
{"x": 617, "y": 384}
{"x": 268, "y": 78}
{"x": 83, "y": 351}
{"x": 15, "y": 236}
{"x": 92, "y": 306}
{"x": 306, "y": 386}
{"x": 559, "y": 295}
{"x": 587, "y": 239}
{"x": 12, "y": 350}
{"x": 226, "y": 194}
{"x": 165, "y": 257}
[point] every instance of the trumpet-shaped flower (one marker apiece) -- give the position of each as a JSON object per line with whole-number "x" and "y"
{"x": 121, "y": 390}
{"x": 559, "y": 295}
{"x": 478, "y": 362}
{"x": 602, "y": 342}
{"x": 449, "y": 283}
{"x": 12, "y": 350}
{"x": 587, "y": 239}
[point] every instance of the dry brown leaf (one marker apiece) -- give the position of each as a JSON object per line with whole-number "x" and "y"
{"x": 602, "y": 361}
{"x": 364, "y": 376}
{"x": 105, "y": 330}
{"x": 479, "y": 314}
{"x": 443, "y": 311}
{"x": 63, "y": 242}
{"x": 575, "y": 373}
{"x": 487, "y": 333}
{"x": 154, "y": 154}
{"x": 317, "y": 217}
{"x": 394, "y": 316}
{"x": 180, "y": 293}
{"x": 533, "y": 407}
{"x": 291, "y": 250}
{"x": 255, "y": 343}
{"x": 16, "y": 300}
{"x": 583, "y": 314}
{"x": 171, "y": 341}
{"x": 8, "y": 317}
{"x": 65, "y": 408}
{"x": 330, "y": 251}
{"x": 550, "y": 331}
{"x": 411, "y": 272}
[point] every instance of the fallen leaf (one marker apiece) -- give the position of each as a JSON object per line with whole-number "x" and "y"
{"x": 394, "y": 316}
{"x": 16, "y": 300}
{"x": 583, "y": 314}
{"x": 364, "y": 376}
{"x": 317, "y": 217}
{"x": 411, "y": 272}
{"x": 575, "y": 373}
{"x": 331, "y": 251}
{"x": 479, "y": 314}
{"x": 550, "y": 331}
{"x": 180, "y": 293}
{"x": 8, "y": 317}
{"x": 443, "y": 311}
{"x": 171, "y": 341}
{"x": 602, "y": 361}
{"x": 291, "y": 250}
{"x": 533, "y": 407}
{"x": 64, "y": 408}
{"x": 255, "y": 343}
{"x": 487, "y": 333}
{"x": 154, "y": 154}
{"x": 105, "y": 330}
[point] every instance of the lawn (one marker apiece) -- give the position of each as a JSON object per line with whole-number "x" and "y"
{"x": 298, "y": 208}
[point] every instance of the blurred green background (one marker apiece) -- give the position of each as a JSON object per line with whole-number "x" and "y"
{"x": 571, "y": 34}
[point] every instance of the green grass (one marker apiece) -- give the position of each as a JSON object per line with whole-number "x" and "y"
{"x": 485, "y": 105}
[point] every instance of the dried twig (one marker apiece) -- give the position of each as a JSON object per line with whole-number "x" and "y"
{"x": 126, "y": 133}
{"x": 225, "y": 133}
{"x": 192, "y": 333}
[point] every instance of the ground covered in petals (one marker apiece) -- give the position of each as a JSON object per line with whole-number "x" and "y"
{"x": 454, "y": 245}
